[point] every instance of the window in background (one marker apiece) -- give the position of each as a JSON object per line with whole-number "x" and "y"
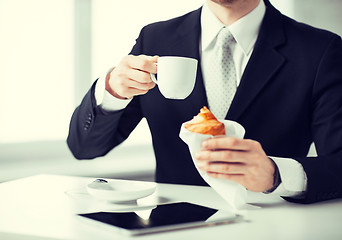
{"x": 116, "y": 24}
{"x": 50, "y": 52}
{"x": 285, "y": 6}
{"x": 36, "y": 69}
{"x": 324, "y": 14}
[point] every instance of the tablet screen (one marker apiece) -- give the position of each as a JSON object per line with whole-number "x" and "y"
{"x": 162, "y": 217}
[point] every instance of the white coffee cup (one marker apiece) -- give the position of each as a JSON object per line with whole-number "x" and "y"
{"x": 176, "y": 76}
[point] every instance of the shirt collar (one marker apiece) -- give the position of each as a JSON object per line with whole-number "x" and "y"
{"x": 245, "y": 30}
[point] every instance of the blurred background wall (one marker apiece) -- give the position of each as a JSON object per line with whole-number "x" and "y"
{"x": 323, "y": 14}
{"x": 51, "y": 51}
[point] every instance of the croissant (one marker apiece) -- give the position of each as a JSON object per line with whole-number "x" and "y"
{"x": 205, "y": 123}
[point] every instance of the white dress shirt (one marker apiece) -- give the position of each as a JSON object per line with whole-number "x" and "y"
{"x": 245, "y": 31}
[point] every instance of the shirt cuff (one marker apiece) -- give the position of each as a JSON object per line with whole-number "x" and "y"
{"x": 293, "y": 177}
{"x": 106, "y": 100}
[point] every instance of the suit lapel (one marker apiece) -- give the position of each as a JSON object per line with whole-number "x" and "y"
{"x": 186, "y": 44}
{"x": 263, "y": 64}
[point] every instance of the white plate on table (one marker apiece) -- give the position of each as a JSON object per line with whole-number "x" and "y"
{"x": 120, "y": 191}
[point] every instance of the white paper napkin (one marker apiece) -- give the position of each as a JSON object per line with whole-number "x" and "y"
{"x": 234, "y": 193}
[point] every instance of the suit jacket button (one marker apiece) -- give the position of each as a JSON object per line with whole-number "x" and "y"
{"x": 86, "y": 126}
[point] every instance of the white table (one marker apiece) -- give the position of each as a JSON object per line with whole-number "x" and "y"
{"x": 46, "y": 206}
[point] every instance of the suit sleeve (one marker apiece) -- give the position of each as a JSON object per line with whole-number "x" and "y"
{"x": 93, "y": 132}
{"x": 324, "y": 172}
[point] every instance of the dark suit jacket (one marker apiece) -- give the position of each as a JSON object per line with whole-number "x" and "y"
{"x": 290, "y": 95}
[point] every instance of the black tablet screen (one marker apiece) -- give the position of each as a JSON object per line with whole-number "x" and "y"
{"x": 162, "y": 215}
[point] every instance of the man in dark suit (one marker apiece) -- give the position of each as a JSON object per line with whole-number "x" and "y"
{"x": 289, "y": 95}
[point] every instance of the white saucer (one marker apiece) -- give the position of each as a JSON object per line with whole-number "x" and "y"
{"x": 121, "y": 191}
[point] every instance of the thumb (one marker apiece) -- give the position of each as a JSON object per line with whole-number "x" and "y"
{"x": 155, "y": 58}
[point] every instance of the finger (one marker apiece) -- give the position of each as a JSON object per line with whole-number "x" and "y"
{"x": 130, "y": 88}
{"x": 238, "y": 178}
{"x": 155, "y": 58}
{"x": 143, "y": 63}
{"x": 131, "y": 92}
{"x": 222, "y": 156}
{"x": 138, "y": 85}
{"x": 139, "y": 76}
{"x": 223, "y": 168}
{"x": 229, "y": 143}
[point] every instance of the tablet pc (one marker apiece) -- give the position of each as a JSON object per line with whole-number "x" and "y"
{"x": 165, "y": 217}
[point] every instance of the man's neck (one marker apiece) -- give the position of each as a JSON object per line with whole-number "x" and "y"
{"x": 229, "y": 13}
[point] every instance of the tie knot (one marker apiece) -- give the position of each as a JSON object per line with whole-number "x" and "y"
{"x": 225, "y": 37}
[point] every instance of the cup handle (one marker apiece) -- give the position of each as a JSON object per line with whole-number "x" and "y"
{"x": 153, "y": 78}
